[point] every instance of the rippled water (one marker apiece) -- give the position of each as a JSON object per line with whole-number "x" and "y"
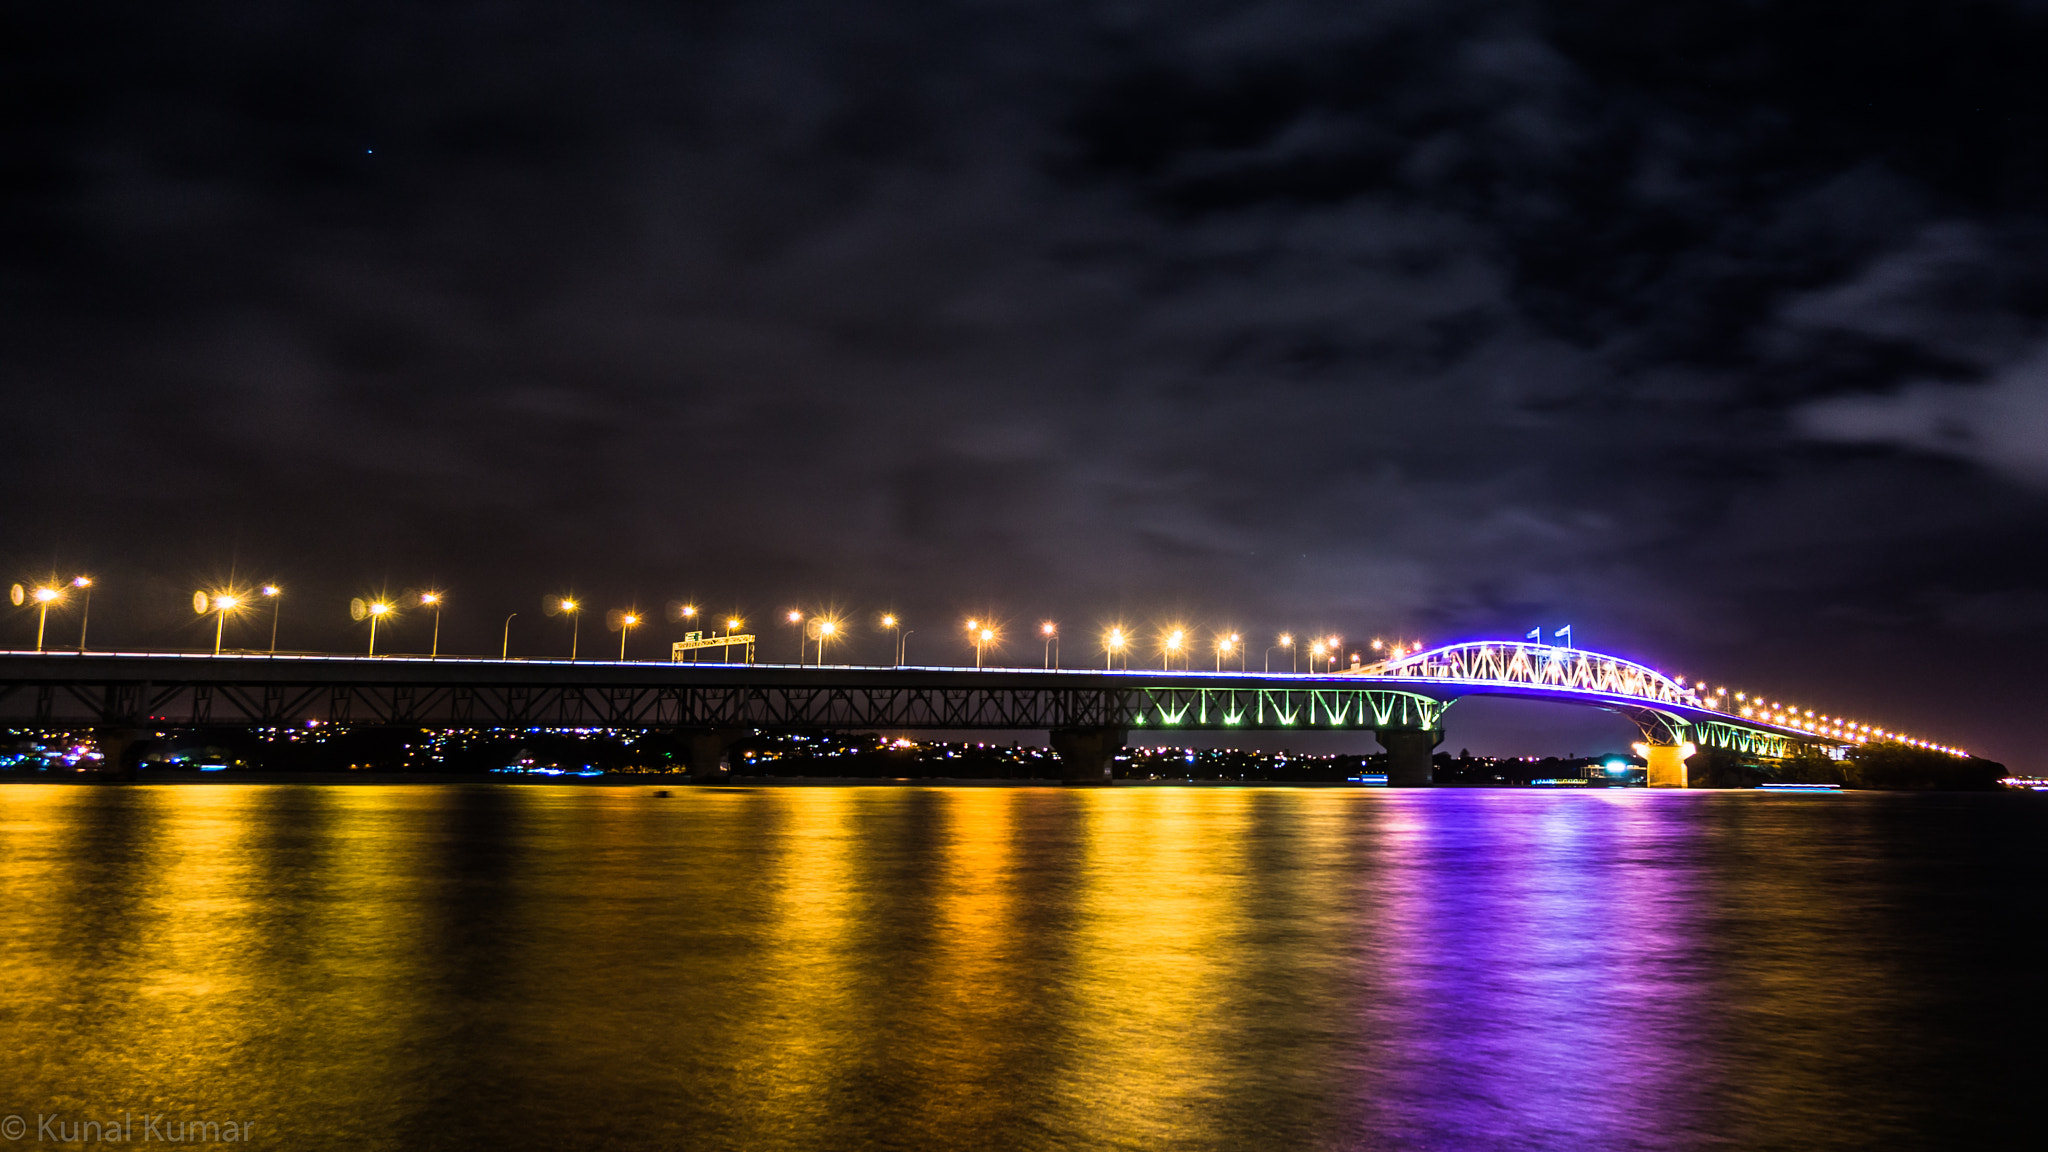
{"x": 934, "y": 968}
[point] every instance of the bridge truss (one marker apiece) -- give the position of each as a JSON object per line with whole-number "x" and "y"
{"x": 150, "y": 691}
{"x": 143, "y": 692}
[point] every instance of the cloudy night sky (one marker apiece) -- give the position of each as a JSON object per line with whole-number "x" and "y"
{"x": 1716, "y": 330}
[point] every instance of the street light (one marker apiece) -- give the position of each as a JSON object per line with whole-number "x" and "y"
{"x": 428, "y": 600}
{"x": 983, "y": 636}
{"x": 44, "y": 597}
{"x": 823, "y": 629}
{"x": 1315, "y": 655}
{"x": 85, "y": 614}
{"x": 1174, "y": 641}
{"x": 623, "y": 623}
{"x": 1113, "y": 642}
{"x": 796, "y": 620}
{"x": 1224, "y": 646}
{"x": 1287, "y": 642}
{"x": 571, "y": 609}
{"x": 220, "y": 604}
{"x": 276, "y": 597}
{"x": 1051, "y": 632}
{"x": 371, "y": 610}
{"x": 891, "y": 623}
{"x": 505, "y": 648}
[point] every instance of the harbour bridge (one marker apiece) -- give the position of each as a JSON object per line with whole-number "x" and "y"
{"x": 1090, "y": 715}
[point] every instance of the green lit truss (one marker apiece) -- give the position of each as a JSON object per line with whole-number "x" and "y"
{"x": 1335, "y": 709}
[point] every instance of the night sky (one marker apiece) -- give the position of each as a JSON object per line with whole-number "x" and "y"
{"x": 1716, "y": 330}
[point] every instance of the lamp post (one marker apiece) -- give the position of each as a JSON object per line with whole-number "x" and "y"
{"x": 275, "y": 595}
{"x": 44, "y": 597}
{"x": 1175, "y": 641}
{"x": 1051, "y": 633}
{"x": 1224, "y": 646}
{"x": 1287, "y": 642}
{"x": 1113, "y": 642}
{"x": 826, "y": 630}
{"x": 377, "y": 610}
{"x": 569, "y": 607}
{"x": 220, "y": 604}
{"x": 433, "y": 600}
{"x": 1315, "y": 654}
{"x": 891, "y": 624}
{"x": 796, "y": 621}
{"x": 505, "y": 648}
{"x": 85, "y": 613}
{"x": 980, "y": 635}
{"x": 627, "y": 622}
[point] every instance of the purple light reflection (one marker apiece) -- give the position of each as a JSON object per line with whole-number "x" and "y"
{"x": 1530, "y": 983}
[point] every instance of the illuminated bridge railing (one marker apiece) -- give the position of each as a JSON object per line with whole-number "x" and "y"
{"x": 1524, "y": 665}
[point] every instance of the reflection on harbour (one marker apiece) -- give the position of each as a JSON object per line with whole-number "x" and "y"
{"x": 478, "y": 967}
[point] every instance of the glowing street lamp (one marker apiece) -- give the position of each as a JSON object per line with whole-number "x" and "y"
{"x": 623, "y": 623}
{"x": 44, "y": 596}
{"x": 1051, "y": 632}
{"x": 573, "y": 611}
{"x": 1113, "y": 643}
{"x": 1287, "y": 642}
{"x": 796, "y": 620}
{"x": 892, "y": 624}
{"x": 427, "y": 600}
{"x": 275, "y": 595}
{"x": 824, "y": 629}
{"x": 220, "y": 604}
{"x": 84, "y": 584}
{"x": 1175, "y": 641}
{"x": 1224, "y": 646}
{"x": 1315, "y": 655}
{"x": 983, "y": 636}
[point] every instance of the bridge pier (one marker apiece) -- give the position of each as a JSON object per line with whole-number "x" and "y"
{"x": 1087, "y": 755}
{"x": 705, "y": 749}
{"x": 1408, "y": 749}
{"x": 1667, "y": 763}
{"x": 120, "y": 750}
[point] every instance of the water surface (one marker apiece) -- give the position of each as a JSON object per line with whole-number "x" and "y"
{"x": 483, "y": 967}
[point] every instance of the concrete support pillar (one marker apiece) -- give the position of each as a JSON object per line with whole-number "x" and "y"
{"x": 1087, "y": 755}
{"x": 1408, "y": 749}
{"x": 120, "y": 750}
{"x": 705, "y": 750}
{"x": 1667, "y": 763}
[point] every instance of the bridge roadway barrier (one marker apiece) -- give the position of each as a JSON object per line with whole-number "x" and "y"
{"x": 125, "y": 697}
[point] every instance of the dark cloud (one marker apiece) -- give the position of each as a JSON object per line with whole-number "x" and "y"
{"x": 1715, "y": 329}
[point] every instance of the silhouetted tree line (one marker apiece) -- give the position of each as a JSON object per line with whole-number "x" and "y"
{"x": 1877, "y": 765}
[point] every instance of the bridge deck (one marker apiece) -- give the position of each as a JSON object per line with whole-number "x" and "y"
{"x": 174, "y": 689}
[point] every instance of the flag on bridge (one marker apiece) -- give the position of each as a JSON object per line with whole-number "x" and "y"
{"x": 1565, "y": 634}
{"x": 1534, "y": 634}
